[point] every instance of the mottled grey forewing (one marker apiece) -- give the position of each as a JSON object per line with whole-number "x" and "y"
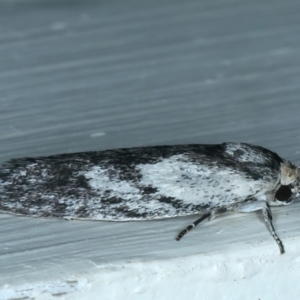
{"x": 137, "y": 183}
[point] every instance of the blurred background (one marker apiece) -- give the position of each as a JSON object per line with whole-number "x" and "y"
{"x": 98, "y": 74}
{"x": 83, "y": 75}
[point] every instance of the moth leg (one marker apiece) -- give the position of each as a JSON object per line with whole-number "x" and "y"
{"x": 194, "y": 224}
{"x": 267, "y": 214}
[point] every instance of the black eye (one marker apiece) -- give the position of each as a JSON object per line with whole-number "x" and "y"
{"x": 284, "y": 193}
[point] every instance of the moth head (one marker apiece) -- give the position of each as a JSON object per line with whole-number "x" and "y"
{"x": 289, "y": 183}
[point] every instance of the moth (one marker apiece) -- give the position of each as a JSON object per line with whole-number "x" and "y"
{"x": 151, "y": 183}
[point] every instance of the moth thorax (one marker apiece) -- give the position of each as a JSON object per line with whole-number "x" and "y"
{"x": 289, "y": 173}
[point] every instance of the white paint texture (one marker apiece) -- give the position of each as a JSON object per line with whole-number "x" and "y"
{"x": 232, "y": 257}
{"x": 245, "y": 273}
{"x": 139, "y": 71}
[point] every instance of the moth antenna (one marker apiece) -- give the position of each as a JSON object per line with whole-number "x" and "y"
{"x": 190, "y": 227}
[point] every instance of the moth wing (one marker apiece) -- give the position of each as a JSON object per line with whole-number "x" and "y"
{"x": 136, "y": 183}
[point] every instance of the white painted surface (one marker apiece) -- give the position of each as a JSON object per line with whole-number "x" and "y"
{"x": 147, "y": 73}
{"x": 240, "y": 274}
{"x": 230, "y": 257}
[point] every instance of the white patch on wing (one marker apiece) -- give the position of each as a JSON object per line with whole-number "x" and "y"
{"x": 197, "y": 184}
{"x": 174, "y": 177}
{"x": 100, "y": 181}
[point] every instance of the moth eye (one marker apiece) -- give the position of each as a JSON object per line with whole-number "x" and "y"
{"x": 284, "y": 193}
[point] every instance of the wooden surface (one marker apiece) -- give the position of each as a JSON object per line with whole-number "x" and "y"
{"x": 94, "y": 75}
